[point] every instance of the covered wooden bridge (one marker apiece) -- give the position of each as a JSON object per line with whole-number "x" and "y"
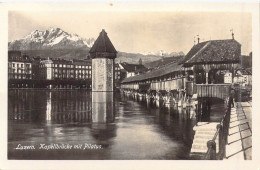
{"x": 207, "y": 70}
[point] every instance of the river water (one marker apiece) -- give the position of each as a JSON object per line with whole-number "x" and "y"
{"x": 38, "y": 119}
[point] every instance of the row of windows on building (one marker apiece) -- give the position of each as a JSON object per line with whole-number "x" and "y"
{"x": 65, "y": 66}
{"x": 20, "y": 76}
{"x": 19, "y": 65}
{"x": 69, "y": 76}
{"x": 72, "y": 71}
{"x": 20, "y": 71}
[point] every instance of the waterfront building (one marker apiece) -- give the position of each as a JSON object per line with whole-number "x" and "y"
{"x": 19, "y": 69}
{"x": 19, "y": 66}
{"x": 132, "y": 69}
{"x": 243, "y": 77}
{"x": 66, "y": 73}
{"x": 39, "y": 72}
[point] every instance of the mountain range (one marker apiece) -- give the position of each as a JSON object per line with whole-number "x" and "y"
{"x": 50, "y": 39}
{"x": 56, "y": 43}
{"x": 163, "y": 53}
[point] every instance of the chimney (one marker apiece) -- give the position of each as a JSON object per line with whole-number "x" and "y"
{"x": 232, "y": 33}
{"x": 198, "y": 39}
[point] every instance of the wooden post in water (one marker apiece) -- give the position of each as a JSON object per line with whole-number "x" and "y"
{"x": 179, "y": 98}
{"x": 157, "y": 99}
{"x": 147, "y": 99}
{"x": 208, "y": 106}
{"x": 199, "y": 109}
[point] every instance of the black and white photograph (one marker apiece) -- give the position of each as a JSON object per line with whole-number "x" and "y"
{"x": 114, "y": 83}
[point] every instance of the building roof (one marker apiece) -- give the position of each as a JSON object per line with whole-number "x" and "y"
{"x": 66, "y": 61}
{"x": 102, "y": 44}
{"x": 214, "y": 51}
{"x": 133, "y": 67}
{"x": 172, "y": 67}
{"x": 16, "y": 56}
{"x": 244, "y": 71}
{"x": 81, "y": 62}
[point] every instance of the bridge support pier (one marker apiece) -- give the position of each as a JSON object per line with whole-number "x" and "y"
{"x": 157, "y": 99}
{"x": 167, "y": 100}
{"x": 203, "y": 109}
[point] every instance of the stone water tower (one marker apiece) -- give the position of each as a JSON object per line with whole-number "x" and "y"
{"x": 103, "y": 54}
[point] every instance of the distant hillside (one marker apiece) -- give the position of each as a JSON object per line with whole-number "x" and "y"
{"x": 163, "y": 61}
{"x": 80, "y": 53}
{"x": 83, "y": 53}
{"x": 133, "y": 58}
{"x": 150, "y": 61}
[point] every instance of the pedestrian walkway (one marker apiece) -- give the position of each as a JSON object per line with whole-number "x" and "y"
{"x": 239, "y": 145}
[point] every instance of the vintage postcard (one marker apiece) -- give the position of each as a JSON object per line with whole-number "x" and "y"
{"x": 126, "y": 82}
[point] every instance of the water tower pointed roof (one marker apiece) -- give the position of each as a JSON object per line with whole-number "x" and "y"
{"x": 102, "y": 45}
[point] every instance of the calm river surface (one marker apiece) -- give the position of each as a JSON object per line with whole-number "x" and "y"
{"x": 129, "y": 129}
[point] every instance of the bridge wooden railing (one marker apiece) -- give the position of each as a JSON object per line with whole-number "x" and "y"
{"x": 222, "y": 134}
{"x": 212, "y": 90}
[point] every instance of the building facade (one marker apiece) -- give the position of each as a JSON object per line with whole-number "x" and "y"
{"x": 57, "y": 69}
{"x": 243, "y": 77}
{"x": 37, "y": 72}
{"x": 19, "y": 69}
{"x": 66, "y": 73}
{"x": 19, "y": 66}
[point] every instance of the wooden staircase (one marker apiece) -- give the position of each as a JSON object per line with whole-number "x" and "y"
{"x": 204, "y": 131}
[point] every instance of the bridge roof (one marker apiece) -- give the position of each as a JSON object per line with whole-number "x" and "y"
{"x": 213, "y": 52}
{"x": 172, "y": 67}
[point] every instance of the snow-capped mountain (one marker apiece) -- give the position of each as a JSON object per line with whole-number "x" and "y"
{"x": 56, "y": 43}
{"x": 157, "y": 53}
{"x": 147, "y": 53}
{"x": 163, "y": 53}
{"x": 53, "y": 38}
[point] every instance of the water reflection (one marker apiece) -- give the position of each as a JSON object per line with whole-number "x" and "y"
{"x": 48, "y": 108}
{"x": 56, "y": 106}
{"x": 102, "y": 107}
{"x": 126, "y": 129}
{"x": 103, "y": 115}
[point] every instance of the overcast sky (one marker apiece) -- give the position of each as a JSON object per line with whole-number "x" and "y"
{"x": 140, "y": 31}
